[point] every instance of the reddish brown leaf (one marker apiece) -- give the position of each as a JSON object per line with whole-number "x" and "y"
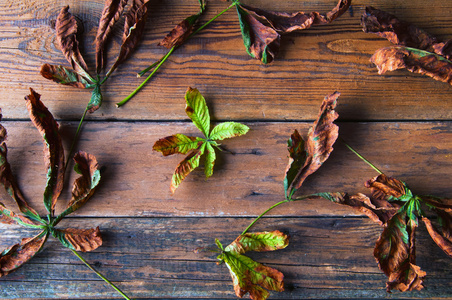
{"x": 85, "y": 185}
{"x": 110, "y": 15}
{"x": 7, "y": 178}
{"x": 396, "y": 31}
{"x": 66, "y": 34}
{"x": 181, "y": 32}
{"x": 135, "y": 20}
{"x": 395, "y": 254}
{"x": 416, "y": 61}
{"x": 444, "y": 49}
{"x": 9, "y": 217}
{"x": 321, "y": 138}
{"x": 362, "y": 203}
{"x": 80, "y": 239}
{"x": 186, "y": 166}
{"x": 14, "y": 257}
{"x": 440, "y": 203}
{"x": 178, "y": 143}
{"x": 65, "y": 76}
{"x": 383, "y": 188}
{"x": 54, "y": 152}
{"x": 444, "y": 238}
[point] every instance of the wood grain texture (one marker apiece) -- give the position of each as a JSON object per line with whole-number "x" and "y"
{"x": 311, "y": 63}
{"x": 154, "y": 258}
{"x": 135, "y": 179}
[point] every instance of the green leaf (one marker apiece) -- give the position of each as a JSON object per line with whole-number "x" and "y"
{"x": 63, "y": 75}
{"x": 210, "y": 160}
{"x": 186, "y": 166}
{"x": 297, "y": 159}
{"x": 96, "y": 99}
{"x": 54, "y": 152}
{"x": 197, "y": 111}
{"x": 177, "y": 143}
{"x": 228, "y": 130}
{"x": 259, "y": 241}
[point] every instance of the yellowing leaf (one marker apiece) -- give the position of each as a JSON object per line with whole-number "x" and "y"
{"x": 197, "y": 111}
{"x": 186, "y": 166}
{"x": 228, "y": 130}
{"x": 177, "y": 143}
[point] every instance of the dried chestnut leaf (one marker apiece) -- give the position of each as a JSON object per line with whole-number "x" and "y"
{"x": 414, "y": 60}
{"x": 249, "y": 276}
{"x": 79, "y": 239}
{"x": 110, "y": 15}
{"x": 135, "y": 20}
{"x": 307, "y": 156}
{"x": 63, "y": 75}
{"x": 66, "y": 33}
{"x": 54, "y": 152}
{"x": 262, "y": 30}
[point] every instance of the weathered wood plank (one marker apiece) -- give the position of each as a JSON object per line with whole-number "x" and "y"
{"x": 153, "y": 257}
{"x": 311, "y": 64}
{"x": 135, "y": 180}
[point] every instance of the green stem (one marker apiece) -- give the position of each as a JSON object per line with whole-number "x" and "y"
{"x": 100, "y": 275}
{"x": 146, "y": 80}
{"x": 158, "y": 63}
{"x": 362, "y": 157}
{"x": 262, "y": 214}
{"x": 74, "y": 141}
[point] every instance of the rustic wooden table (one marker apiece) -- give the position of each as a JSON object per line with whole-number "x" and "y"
{"x": 400, "y": 121}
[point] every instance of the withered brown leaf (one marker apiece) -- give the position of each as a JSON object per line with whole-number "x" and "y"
{"x": 317, "y": 148}
{"x": 66, "y": 35}
{"x": 80, "y": 239}
{"x": 110, "y": 15}
{"x": 135, "y": 20}
{"x": 54, "y": 154}
{"x": 63, "y": 75}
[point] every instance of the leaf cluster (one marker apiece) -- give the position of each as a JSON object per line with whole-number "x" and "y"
{"x": 66, "y": 35}
{"x": 83, "y": 188}
{"x": 197, "y": 110}
{"x": 415, "y": 50}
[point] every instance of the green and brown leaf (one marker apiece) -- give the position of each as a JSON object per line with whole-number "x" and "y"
{"x": 249, "y": 276}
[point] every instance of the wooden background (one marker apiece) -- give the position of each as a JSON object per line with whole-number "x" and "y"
{"x": 400, "y": 121}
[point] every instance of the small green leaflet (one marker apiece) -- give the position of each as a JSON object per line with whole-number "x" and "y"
{"x": 197, "y": 110}
{"x": 249, "y": 276}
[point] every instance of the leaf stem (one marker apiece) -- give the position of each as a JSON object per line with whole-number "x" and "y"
{"x": 158, "y": 63}
{"x": 146, "y": 80}
{"x": 100, "y": 275}
{"x": 74, "y": 141}
{"x": 262, "y": 214}
{"x": 360, "y": 156}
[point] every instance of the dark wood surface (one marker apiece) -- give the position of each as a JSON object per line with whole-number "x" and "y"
{"x": 400, "y": 121}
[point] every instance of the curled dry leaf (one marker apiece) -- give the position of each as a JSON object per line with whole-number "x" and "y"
{"x": 249, "y": 276}
{"x": 54, "y": 152}
{"x": 306, "y": 157}
{"x": 63, "y": 75}
{"x": 14, "y": 257}
{"x": 417, "y": 51}
{"x": 262, "y": 30}
{"x": 414, "y": 60}
{"x": 183, "y": 30}
{"x": 80, "y": 239}
{"x": 110, "y": 15}
{"x": 66, "y": 33}
{"x": 197, "y": 110}
{"x": 135, "y": 20}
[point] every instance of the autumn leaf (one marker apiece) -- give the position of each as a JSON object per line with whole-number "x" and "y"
{"x": 306, "y": 157}
{"x": 249, "y": 276}
{"x": 417, "y": 51}
{"x": 262, "y": 30}
{"x": 197, "y": 110}
{"x": 63, "y": 75}
{"x": 66, "y": 33}
{"x": 135, "y": 21}
{"x": 183, "y": 30}
{"x": 110, "y": 15}
{"x": 84, "y": 186}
